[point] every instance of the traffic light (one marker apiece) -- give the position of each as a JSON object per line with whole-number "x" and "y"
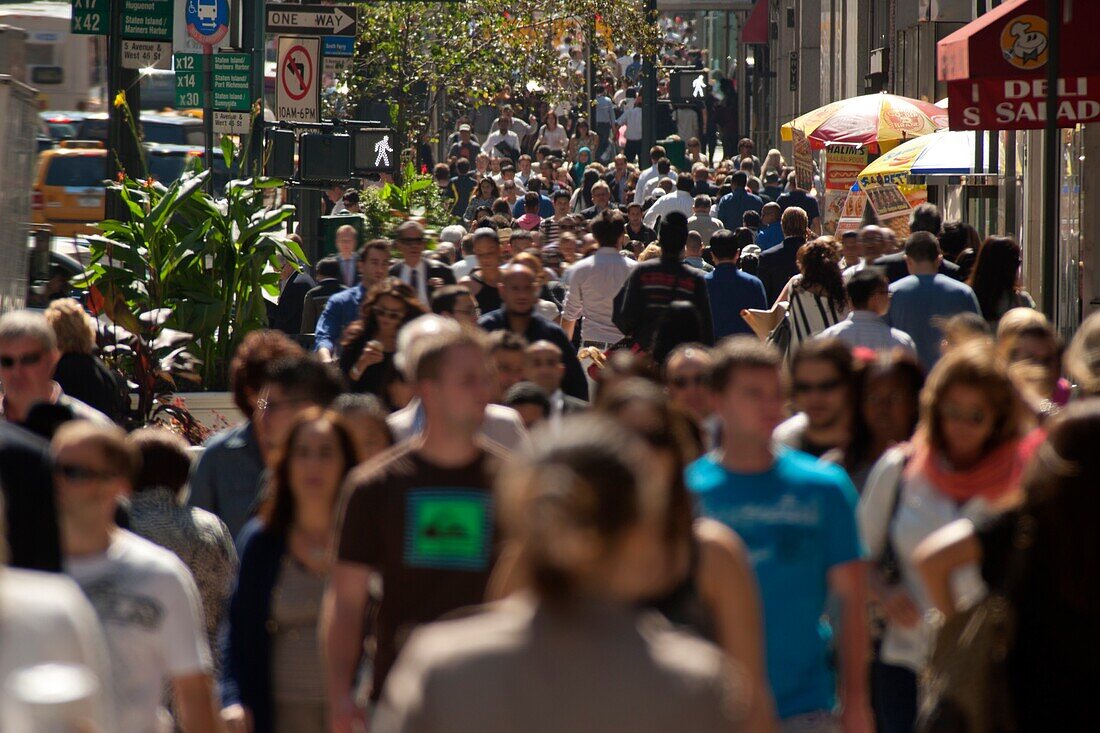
{"x": 279, "y": 156}
{"x": 374, "y": 151}
{"x": 324, "y": 156}
{"x": 688, "y": 87}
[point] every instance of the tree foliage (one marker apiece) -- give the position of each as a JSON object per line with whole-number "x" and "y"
{"x": 413, "y": 55}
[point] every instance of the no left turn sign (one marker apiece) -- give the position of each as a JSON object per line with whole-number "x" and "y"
{"x": 297, "y": 96}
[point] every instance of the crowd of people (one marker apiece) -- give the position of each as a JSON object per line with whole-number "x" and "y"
{"x": 622, "y": 448}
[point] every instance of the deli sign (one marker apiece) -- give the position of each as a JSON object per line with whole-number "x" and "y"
{"x": 1021, "y": 103}
{"x": 996, "y": 68}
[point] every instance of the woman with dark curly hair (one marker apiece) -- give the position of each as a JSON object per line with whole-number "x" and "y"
{"x": 485, "y": 194}
{"x": 816, "y": 297}
{"x": 370, "y": 342}
{"x": 996, "y": 279}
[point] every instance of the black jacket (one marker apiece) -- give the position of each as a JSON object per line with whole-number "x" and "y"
{"x": 26, "y": 480}
{"x": 778, "y": 265}
{"x": 574, "y": 383}
{"x": 286, "y": 316}
{"x": 461, "y": 188}
{"x": 314, "y": 302}
{"x": 896, "y": 269}
{"x": 651, "y": 287}
{"x": 591, "y": 212}
{"x": 88, "y": 379}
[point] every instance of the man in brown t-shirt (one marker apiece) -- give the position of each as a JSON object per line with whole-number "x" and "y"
{"x": 421, "y": 516}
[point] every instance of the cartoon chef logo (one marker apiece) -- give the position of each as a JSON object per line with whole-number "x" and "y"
{"x": 1024, "y": 42}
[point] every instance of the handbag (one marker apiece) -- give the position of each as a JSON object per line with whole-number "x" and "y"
{"x": 965, "y": 687}
{"x": 780, "y": 336}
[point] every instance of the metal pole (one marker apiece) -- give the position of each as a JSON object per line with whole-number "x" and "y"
{"x": 1051, "y": 160}
{"x": 208, "y": 112}
{"x": 252, "y": 41}
{"x": 122, "y": 148}
{"x": 649, "y": 94}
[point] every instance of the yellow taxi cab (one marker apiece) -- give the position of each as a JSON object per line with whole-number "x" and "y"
{"x": 69, "y": 191}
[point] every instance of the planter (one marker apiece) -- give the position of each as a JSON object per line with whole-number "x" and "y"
{"x": 215, "y": 410}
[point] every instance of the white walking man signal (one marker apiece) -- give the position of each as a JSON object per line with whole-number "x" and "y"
{"x": 698, "y": 87}
{"x": 383, "y": 150}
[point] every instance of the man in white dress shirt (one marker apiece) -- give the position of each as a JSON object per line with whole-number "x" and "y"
{"x": 679, "y": 200}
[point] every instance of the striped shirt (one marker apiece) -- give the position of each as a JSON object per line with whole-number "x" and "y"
{"x": 810, "y": 314}
{"x": 867, "y": 329}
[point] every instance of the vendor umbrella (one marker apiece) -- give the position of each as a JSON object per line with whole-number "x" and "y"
{"x": 877, "y": 121}
{"x": 945, "y": 153}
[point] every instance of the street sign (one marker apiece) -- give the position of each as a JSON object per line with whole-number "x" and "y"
{"x": 90, "y": 17}
{"x": 296, "y": 87}
{"x": 189, "y": 70}
{"x": 334, "y": 66}
{"x": 230, "y": 89}
{"x": 232, "y": 123}
{"x": 207, "y": 20}
{"x": 232, "y": 74}
{"x": 147, "y": 20}
{"x": 339, "y": 46}
{"x": 373, "y": 151}
{"x": 311, "y": 20}
{"x": 146, "y": 54}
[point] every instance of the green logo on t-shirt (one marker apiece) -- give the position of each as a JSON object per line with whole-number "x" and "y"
{"x": 448, "y": 529}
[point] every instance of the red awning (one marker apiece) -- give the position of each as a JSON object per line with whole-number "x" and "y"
{"x": 995, "y": 67}
{"x": 756, "y": 27}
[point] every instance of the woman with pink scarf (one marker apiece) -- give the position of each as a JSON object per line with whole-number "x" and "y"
{"x": 965, "y": 461}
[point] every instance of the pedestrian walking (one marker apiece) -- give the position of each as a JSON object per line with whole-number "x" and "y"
{"x": 779, "y": 264}
{"x": 373, "y": 262}
{"x": 995, "y": 279}
{"x": 368, "y": 345}
{"x": 869, "y": 295}
{"x": 79, "y": 372}
{"x": 816, "y": 296}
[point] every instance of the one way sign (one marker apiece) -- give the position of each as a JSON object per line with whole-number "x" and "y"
{"x": 311, "y": 20}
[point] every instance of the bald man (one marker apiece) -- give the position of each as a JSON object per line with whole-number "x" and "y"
{"x": 518, "y": 294}
{"x": 545, "y": 367}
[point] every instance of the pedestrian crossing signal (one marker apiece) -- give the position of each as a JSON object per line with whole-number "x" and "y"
{"x": 373, "y": 151}
{"x": 688, "y": 87}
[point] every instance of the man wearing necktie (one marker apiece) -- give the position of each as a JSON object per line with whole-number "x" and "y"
{"x": 347, "y": 242}
{"x": 422, "y": 275}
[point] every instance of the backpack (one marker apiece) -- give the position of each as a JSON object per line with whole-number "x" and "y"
{"x": 965, "y": 687}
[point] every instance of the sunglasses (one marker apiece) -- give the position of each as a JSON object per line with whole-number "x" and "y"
{"x": 7, "y": 362}
{"x": 388, "y": 313}
{"x": 72, "y": 472}
{"x": 808, "y": 387}
{"x": 684, "y": 382}
{"x": 957, "y": 414}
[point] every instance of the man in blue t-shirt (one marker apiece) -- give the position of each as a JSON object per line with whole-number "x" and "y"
{"x": 731, "y": 290}
{"x": 797, "y": 518}
{"x": 732, "y": 207}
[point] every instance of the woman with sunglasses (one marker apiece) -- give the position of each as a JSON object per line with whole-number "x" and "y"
{"x": 965, "y": 461}
{"x": 369, "y": 343}
{"x": 272, "y": 680}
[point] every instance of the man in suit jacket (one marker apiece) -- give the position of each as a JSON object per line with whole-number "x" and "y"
{"x": 545, "y": 367}
{"x": 347, "y": 247}
{"x": 328, "y": 284}
{"x": 779, "y": 264}
{"x": 286, "y": 314}
{"x": 422, "y": 275}
{"x": 26, "y": 487}
{"x": 925, "y": 218}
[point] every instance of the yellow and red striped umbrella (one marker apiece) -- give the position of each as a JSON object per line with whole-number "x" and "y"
{"x": 879, "y": 122}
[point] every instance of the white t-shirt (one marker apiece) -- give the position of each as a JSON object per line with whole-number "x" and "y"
{"x": 149, "y": 606}
{"x": 45, "y": 619}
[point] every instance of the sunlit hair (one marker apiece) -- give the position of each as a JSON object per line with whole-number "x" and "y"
{"x": 73, "y": 327}
{"x": 1083, "y": 356}
{"x": 367, "y": 323}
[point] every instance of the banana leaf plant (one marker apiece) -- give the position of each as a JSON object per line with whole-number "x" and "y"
{"x": 184, "y": 276}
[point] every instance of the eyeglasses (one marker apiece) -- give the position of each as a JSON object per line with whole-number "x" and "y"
{"x": 265, "y": 405}
{"x": 7, "y": 362}
{"x": 388, "y": 313}
{"x": 684, "y": 382}
{"x": 958, "y": 414}
{"x": 823, "y": 387}
{"x": 73, "y": 472}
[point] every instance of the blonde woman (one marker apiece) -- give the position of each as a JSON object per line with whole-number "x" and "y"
{"x": 80, "y": 372}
